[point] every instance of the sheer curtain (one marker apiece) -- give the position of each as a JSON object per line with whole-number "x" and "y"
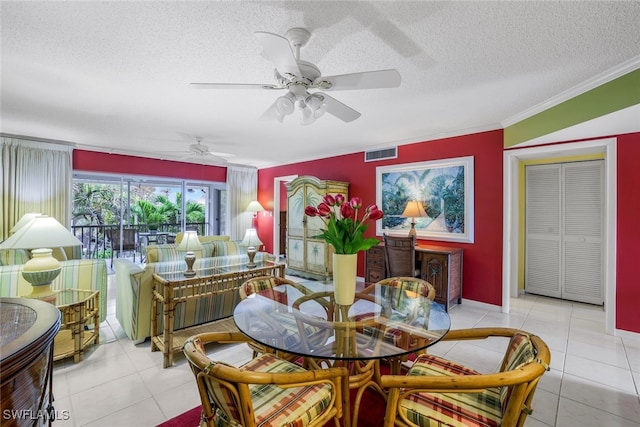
{"x": 242, "y": 188}
{"x": 34, "y": 177}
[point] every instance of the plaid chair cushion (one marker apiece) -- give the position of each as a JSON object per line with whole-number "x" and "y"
{"x": 253, "y": 286}
{"x": 406, "y": 287}
{"x": 450, "y": 409}
{"x": 288, "y": 326}
{"x": 400, "y": 298}
{"x": 519, "y": 352}
{"x": 273, "y": 406}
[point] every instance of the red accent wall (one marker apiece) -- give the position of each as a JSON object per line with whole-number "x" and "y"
{"x": 628, "y": 233}
{"x": 482, "y": 259}
{"x": 117, "y": 163}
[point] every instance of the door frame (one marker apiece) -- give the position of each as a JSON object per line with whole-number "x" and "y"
{"x": 512, "y": 186}
{"x": 277, "y": 181}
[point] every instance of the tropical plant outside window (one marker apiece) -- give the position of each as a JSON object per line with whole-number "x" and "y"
{"x": 107, "y": 204}
{"x": 101, "y": 204}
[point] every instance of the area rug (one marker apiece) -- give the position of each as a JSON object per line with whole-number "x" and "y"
{"x": 371, "y": 413}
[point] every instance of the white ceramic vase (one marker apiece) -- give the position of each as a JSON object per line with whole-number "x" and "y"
{"x": 344, "y": 278}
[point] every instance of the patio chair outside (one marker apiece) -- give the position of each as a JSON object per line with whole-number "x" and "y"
{"x": 128, "y": 242}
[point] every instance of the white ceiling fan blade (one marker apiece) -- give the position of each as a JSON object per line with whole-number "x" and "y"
{"x": 234, "y": 86}
{"x": 216, "y": 158}
{"x": 338, "y": 109}
{"x": 366, "y": 80}
{"x": 277, "y": 49}
{"x": 220, "y": 154}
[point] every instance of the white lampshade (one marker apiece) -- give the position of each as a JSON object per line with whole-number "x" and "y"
{"x": 251, "y": 241}
{"x": 24, "y": 220}
{"x": 254, "y": 207}
{"x": 41, "y": 234}
{"x": 414, "y": 209}
{"x": 251, "y": 238}
{"x": 190, "y": 242}
{"x": 41, "y": 231}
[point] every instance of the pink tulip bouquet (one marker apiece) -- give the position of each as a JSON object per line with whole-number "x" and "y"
{"x": 344, "y": 231}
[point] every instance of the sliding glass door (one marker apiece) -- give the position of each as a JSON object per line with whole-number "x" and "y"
{"x": 104, "y": 202}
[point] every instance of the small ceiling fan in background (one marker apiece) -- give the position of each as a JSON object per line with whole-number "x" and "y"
{"x": 304, "y": 82}
{"x": 200, "y": 150}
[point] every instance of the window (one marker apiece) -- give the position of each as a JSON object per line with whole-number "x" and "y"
{"x": 170, "y": 205}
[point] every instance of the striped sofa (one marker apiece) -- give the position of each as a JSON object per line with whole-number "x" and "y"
{"x": 134, "y": 284}
{"x": 88, "y": 274}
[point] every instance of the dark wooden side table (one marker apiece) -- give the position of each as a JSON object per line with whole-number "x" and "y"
{"x": 27, "y": 331}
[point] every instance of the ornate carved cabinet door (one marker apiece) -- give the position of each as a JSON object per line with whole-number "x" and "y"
{"x": 295, "y": 227}
{"x": 307, "y": 254}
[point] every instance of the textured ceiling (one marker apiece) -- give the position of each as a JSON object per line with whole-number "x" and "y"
{"x": 114, "y": 76}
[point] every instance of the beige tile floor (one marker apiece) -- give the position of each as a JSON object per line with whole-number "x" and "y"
{"x": 594, "y": 379}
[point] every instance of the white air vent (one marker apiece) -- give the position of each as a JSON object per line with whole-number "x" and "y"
{"x": 382, "y": 154}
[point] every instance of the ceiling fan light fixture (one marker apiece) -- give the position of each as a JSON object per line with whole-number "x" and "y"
{"x": 285, "y": 104}
{"x": 316, "y": 104}
{"x": 307, "y": 115}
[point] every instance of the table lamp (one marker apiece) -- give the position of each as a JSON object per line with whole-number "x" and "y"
{"x": 254, "y": 207}
{"x": 189, "y": 244}
{"x": 26, "y": 218}
{"x": 251, "y": 241}
{"x": 39, "y": 235}
{"x": 413, "y": 210}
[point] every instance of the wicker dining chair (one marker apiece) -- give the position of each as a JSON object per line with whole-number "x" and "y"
{"x": 271, "y": 287}
{"x": 437, "y": 391}
{"x": 266, "y": 391}
{"x": 402, "y": 288}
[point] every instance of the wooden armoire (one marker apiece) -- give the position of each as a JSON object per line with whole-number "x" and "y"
{"x": 308, "y": 255}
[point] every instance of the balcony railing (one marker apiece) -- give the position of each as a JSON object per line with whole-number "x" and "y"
{"x": 96, "y": 243}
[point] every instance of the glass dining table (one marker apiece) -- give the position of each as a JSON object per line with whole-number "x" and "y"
{"x": 384, "y": 323}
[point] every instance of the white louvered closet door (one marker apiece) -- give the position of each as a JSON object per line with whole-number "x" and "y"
{"x": 542, "y": 253}
{"x": 564, "y": 216}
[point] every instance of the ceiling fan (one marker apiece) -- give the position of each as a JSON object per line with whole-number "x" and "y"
{"x": 304, "y": 82}
{"x": 200, "y": 150}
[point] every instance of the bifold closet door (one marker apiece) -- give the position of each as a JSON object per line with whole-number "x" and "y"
{"x": 564, "y": 226}
{"x": 542, "y": 218}
{"x": 583, "y": 278}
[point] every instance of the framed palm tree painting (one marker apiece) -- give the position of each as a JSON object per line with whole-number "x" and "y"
{"x": 443, "y": 187}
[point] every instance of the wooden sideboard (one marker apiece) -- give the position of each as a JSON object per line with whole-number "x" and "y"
{"x": 375, "y": 269}
{"x": 439, "y": 265}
